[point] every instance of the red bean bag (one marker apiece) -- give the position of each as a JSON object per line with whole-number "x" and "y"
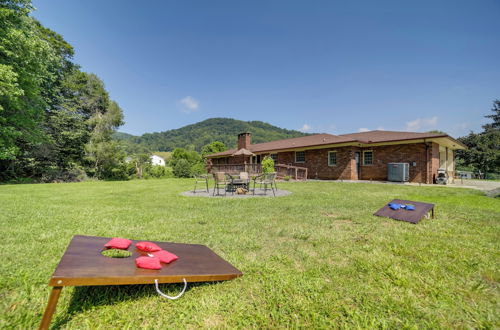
{"x": 118, "y": 243}
{"x": 148, "y": 262}
{"x": 165, "y": 256}
{"x": 148, "y": 247}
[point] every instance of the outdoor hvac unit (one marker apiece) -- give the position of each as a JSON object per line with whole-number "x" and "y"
{"x": 399, "y": 172}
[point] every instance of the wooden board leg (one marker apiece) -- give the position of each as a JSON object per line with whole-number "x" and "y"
{"x": 51, "y": 307}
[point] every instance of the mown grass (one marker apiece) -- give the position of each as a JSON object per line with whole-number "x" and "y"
{"x": 314, "y": 259}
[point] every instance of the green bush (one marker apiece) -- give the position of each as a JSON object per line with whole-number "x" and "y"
{"x": 267, "y": 165}
{"x": 118, "y": 173}
{"x": 198, "y": 168}
{"x": 169, "y": 172}
{"x": 74, "y": 173}
{"x": 492, "y": 176}
{"x": 186, "y": 163}
{"x": 182, "y": 169}
{"x": 159, "y": 172}
{"x": 286, "y": 178}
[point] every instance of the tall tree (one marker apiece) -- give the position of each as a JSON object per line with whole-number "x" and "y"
{"x": 483, "y": 153}
{"x": 495, "y": 117}
{"x": 83, "y": 98}
{"x": 140, "y": 161}
{"x": 27, "y": 61}
{"x": 51, "y": 113}
{"x": 104, "y": 153}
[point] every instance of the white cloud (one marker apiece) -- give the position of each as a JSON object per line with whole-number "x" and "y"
{"x": 305, "y": 128}
{"x": 380, "y": 128}
{"x": 189, "y": 104}
{"x": 421, "y": 124}
{"x": 363, "y": 129}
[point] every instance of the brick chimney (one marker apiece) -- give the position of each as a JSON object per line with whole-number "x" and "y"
{"x": 244, "y": 140}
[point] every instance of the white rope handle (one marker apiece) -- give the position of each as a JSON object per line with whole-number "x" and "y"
{"x": 169, "y": 297}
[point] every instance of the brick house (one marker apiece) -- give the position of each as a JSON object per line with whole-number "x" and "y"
{"x": 357, "y": 156}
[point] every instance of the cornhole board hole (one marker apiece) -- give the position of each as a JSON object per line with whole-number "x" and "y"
{"x": 421, "y": 210}
{"x": 83, "y": 265}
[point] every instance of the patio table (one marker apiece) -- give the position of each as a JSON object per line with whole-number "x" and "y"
{"x": 236, "y": 182}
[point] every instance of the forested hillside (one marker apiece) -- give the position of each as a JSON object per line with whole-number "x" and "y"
{"x": 214, "y": 129}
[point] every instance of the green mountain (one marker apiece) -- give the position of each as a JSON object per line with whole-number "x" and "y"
{"x": 213, "y": 129}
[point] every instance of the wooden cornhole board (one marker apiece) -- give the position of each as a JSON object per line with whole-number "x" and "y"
{"x": 421, "y": 210}
{"x": 83, "y": 265}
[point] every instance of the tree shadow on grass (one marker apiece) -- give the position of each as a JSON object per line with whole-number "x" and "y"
{"x": 89, "y": 297}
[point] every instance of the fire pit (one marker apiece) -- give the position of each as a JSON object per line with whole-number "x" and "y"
{"x": 241, "y": 191}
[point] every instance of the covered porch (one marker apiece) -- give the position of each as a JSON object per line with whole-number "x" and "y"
{"x": 282, "y": 170}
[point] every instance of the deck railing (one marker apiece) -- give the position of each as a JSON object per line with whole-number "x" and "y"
{"x": 282, "y": 170}
{"x": 294, "y": 172}
{"x": 252, "y": 169}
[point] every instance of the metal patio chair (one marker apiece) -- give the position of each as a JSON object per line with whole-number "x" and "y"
{"x": 267, "y": 179}
{"x": 245, "y": 179}
{"x": 221, "y": 180}
{"x": 203, "y": 178}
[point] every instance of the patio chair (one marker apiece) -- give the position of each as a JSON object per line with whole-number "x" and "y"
{"x": 201, "y": 179}
{"x": 267, "y": 179}
{"x": 221, "y": 180}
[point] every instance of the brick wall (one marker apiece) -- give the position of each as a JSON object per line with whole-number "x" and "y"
{"x": 317, "y": 162}
{"x": 401, "y": 153}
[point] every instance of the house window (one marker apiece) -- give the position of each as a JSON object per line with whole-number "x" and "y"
{"x": 368, "y": 157}
{"x": 300, "y": 156}
{"x": 274, "y": 157}
{"x": 256, "y": 159}
{"x": 332, "y": 158}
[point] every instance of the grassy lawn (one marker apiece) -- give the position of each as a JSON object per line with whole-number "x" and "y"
{"x": 315, "y": 259}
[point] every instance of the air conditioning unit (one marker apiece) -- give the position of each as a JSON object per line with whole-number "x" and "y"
{"x": 399, "y": 172}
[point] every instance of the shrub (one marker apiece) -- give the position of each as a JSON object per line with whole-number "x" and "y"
{"x": 159, "y": 172}
{"x": 118, "y": 173}
{"x": 185, "y": 163}
{"x": 198, "y": 168}
{"x": 286, "y": 178}
{"x": 74, "y": 173}
{"x": 492, "y": 176}
{"x": 182, "y": 169}
{"x": 267, "y": 165}
{"x": 169, "y": 173}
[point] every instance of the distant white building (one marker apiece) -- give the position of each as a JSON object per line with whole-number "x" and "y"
{"x": 464, "y": 175}
{"x": 157, "y": 160}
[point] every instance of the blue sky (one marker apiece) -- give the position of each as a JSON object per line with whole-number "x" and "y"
{"x": 318, "y": 66}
